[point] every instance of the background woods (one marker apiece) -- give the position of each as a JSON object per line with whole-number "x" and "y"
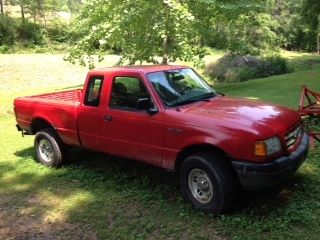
{"x": 159, "y": 31}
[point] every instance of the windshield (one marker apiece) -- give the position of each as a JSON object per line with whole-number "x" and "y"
{"x": 180, "y": 86}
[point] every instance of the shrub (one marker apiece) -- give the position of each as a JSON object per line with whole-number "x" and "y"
{"x": 221, "y": 68}
{"x": 31, "y": 33}
{"x": 59, "y": 32}
{"x": 275, "y": 65}
{"x": 245, "y": 73}
{"x": 4, "y": 49}
{"x": 235, "y": 68}
{"x": 7, "y": 30}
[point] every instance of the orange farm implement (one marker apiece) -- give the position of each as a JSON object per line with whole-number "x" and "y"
{"x": 309, "y": 106}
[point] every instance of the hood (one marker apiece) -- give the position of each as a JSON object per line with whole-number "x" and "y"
{"x": 251, "y": 114}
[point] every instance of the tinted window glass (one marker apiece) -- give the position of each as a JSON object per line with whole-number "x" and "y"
{"x": 93, "y": 92}
{"x": 126, "y": 91}
{"x": 180, "y": 86}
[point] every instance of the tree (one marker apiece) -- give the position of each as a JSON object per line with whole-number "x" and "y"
{"x": 38, "y": 9}
{"x": 74, "y": 5}
{"x": 311, "y": 11}
{"x": 145, "y": 30}
{"x": 23, "y": 4}
{"x": 141, "y": 29}
{"x": 250, "y": 33}
{"x": 294, "y": 33}
{"x": 1, "y": 7}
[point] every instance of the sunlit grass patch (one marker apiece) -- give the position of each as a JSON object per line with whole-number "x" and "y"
{"x": 283, "y": 89}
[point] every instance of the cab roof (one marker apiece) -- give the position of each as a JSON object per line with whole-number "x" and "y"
{"x": 137, "y": 68}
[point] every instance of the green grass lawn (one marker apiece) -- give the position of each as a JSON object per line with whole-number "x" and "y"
{"x": 282, "y": 89}
{"x": 98, "y": 196}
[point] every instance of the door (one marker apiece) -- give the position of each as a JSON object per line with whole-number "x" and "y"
{"x": 127, "y": 131}
{"x": 89, "y": 114}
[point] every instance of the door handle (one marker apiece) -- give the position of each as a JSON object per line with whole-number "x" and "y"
{"x": 107, "y": 118}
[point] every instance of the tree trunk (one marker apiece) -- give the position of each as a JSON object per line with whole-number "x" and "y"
{"x": 22, "y": 13}
{"x": 165, "y": 51}
{"x": 318, "y": 43}
{"x": 165, "y": 42}
{"x": 43, "y": 14}
{"x": 1, "y": 5}
{"x": 318, "y": 36}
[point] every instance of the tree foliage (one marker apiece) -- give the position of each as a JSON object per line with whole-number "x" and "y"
{"x": 311, "y": 11}
{"x": 251, "y": 33}
{"x": 39, "y": 27}
{"x": 7, "y": 30}
{"x": 292, "y": 30}
{"x": 142, "y": 30}
{"x": 163, "y": 31}
{"x": 40, "y": 9}
{"x": 146, "y": 30}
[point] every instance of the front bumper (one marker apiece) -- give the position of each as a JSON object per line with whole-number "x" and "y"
{"x": 255, "y": 176}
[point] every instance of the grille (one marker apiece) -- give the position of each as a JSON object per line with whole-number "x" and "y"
{"x": 293, "y": 136}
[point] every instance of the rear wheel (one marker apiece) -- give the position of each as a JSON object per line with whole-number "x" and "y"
{"x": 50, "y": 150}
{"x": 208, "y": 183}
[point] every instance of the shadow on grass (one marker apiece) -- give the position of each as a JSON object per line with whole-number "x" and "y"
{"x": 123, "y": 171}
{"x": 113, "y": 191}
{"x": 121, "y": 198}
{"x": 119, "y": 170}
{"x": 5, "y": 168}
{"x": 104, "y": 164}
{"x": 25, "y": 153}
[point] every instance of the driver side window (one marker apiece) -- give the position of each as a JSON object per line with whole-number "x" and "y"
{"x": 125, "y": 93}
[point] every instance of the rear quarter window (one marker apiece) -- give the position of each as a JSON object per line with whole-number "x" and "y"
{"x": 93, "y": 92}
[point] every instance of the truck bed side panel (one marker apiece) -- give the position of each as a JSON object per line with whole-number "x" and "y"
{"x": 58, "y": 109}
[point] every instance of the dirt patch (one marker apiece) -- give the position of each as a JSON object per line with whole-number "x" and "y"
{"x": 16, "y": 227}
{"x": 23, "y": 219}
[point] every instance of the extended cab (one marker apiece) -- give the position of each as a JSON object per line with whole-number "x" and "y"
{"x": 168, "y": 116}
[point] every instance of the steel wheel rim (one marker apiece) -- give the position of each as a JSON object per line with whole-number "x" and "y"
{"x": 200, "y": 186}
{"x": 46, "y": 150}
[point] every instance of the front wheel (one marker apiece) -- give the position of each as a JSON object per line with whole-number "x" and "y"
{"x": 50, "y": 150}
{"x": 208, "y": 183}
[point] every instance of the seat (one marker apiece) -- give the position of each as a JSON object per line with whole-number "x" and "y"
{"x": 119, "y": 95}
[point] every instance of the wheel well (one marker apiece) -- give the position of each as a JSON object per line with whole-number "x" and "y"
{"x": 39, "y": 124}
{"x": 197, "y": 149}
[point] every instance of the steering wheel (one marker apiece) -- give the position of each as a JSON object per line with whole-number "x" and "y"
{"x": 185, "y": 89}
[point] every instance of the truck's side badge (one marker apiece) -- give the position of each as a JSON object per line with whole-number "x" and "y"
{"x": 175, "y": 130}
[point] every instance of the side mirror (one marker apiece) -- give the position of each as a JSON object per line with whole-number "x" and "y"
{"x": 146, "y": 104}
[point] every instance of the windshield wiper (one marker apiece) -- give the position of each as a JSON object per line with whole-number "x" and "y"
{"x": 205, "y": 97}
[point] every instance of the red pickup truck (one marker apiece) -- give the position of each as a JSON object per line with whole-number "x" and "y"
{"x": 168, "y": 116}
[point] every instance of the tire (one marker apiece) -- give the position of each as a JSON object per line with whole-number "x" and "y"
{"x": 208, "y": 183}
{"x": 50, "y": 150}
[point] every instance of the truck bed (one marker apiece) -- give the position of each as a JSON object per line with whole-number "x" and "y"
{"x": 58, "y": 109}
{"x": 72, "y": 96}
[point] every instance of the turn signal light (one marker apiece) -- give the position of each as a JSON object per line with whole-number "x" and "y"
{"x": 260, "y": 149}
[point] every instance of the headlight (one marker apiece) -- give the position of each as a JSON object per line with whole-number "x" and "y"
{"x": 267, "y": 147}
